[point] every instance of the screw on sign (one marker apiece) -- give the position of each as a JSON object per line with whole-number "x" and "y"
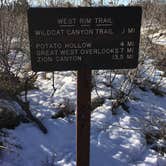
{"x": 83, "y": 39}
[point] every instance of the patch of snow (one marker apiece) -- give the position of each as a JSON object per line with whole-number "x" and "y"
{"x": 115, "y": 139}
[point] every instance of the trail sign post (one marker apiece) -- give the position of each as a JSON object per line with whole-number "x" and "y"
{"x": 82, "y": 39}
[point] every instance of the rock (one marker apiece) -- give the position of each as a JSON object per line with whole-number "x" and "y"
{"x": 10, "y": 113}
{"x": 12, "y": 105}
{"x": 8, "y": 118}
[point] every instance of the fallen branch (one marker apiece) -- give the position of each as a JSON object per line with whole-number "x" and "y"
{"x": 25, "y": 107}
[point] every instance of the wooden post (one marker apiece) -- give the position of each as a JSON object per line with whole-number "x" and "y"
{"x": 83, "y": 116}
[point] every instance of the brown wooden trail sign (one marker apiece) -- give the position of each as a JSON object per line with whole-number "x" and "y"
{"x": 82, "y": 39}
{"x": 74, "y": 38}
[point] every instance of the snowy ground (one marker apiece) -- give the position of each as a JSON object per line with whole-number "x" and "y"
{"x": 116, "y": 140}
{"x": 159, "y": 37}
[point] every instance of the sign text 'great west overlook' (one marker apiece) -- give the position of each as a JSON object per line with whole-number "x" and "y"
{"x": 75, "y": 38}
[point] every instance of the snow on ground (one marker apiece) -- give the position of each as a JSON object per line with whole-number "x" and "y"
{"x": 116, "y": 140}
{"x": 159, "y": 37}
